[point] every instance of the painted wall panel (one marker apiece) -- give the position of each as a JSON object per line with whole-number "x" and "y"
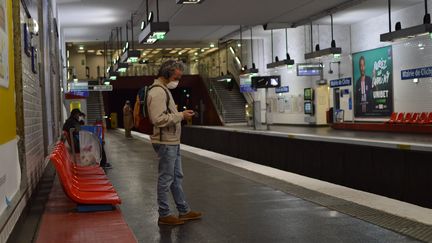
{"x": 10, "y": 173}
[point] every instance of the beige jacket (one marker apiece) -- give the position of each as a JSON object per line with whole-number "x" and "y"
{"x": 128, "y": 122}
{"x": 169, "y": 123}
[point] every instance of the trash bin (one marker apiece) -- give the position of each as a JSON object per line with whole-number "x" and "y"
{"x": 329, "y": 116}
{"x": 114, "y": 120}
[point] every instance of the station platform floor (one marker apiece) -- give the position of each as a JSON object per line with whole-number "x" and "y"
{"x": 246, "y": 202}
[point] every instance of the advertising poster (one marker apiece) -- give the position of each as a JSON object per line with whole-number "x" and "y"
{"x": 4, "y": 67}
{"x": 373, "y": 82}
{"x": 10, "y": 172}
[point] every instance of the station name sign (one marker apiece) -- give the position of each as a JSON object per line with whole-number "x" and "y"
{"x": 340, "y": 82}
{"x": 425, "y": 72}
{"x": 282, "y": 89}
{"x": 83, "y": 87}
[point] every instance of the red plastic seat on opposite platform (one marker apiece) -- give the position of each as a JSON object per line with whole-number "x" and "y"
{"x": 414, "y": 118}
{"x": 400, "y": 117}
{"x": 407, "y": 117}
{"x": 392, "y": 117}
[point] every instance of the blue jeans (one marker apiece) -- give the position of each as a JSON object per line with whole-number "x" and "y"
{"x": 170, "y": 178}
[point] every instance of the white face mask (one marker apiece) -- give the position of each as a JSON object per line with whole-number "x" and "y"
{"x": 173, "y": 84}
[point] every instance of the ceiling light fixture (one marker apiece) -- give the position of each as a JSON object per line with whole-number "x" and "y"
{"x": 333, "y": 50}
{"x": 253, "y": 69}
{"x": 400, "y": 34}
{"x": 154, "y": 31}
{"x": 119, "y": 66}
{"x": 240, "y": 44}
{"x": 112, "y": 75}
{"x": 288, "y": 61}
{"x": 189, "y": 1}
{"x": 130, "y": 56}
{"x": 227, "y": 77}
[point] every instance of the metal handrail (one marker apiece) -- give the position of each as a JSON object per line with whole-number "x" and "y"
{"x": 217, "y": 99}
{"x": 236, "y": 73}
{"x": 217, "y": 102}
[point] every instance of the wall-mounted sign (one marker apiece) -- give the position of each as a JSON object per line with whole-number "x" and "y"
{"x": 425, "y": 72}
{"x": 260, "y": 82}
{"x": 80, "y": 93}
{"x": 34, "y": 59}
{"x": 4, "y": 45}
{"x": 282, "y": 89}
{"x": 246, "y": 83}
{"x": 83, "y": 86}
{"x": 101, "y": 87}
{"x": 340, "y": 82}
{"x": 373, "y": 82}
{"x": 27, "y": 40}
{"x": 309, "y": 69}
{"x": 79, "y": 86}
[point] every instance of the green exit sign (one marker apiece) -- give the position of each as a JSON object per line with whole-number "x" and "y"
{"x": 159, "y": 35}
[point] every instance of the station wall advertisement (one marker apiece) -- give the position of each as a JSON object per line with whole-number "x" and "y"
{"x": 10, "y": 173}
{"x": 373, "y": 82}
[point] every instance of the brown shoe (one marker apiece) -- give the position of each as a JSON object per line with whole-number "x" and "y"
{"x": 191, "y": 216}
{"x": 170, "y": 220}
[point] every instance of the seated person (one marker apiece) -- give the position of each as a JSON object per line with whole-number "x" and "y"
{"x": 75, "y": 120}
{"x": 82, "y": 119}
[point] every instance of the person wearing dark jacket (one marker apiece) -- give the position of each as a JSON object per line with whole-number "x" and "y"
{"x": 75, "y": 122}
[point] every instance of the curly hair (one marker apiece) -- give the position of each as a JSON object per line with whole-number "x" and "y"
{"x": 167, "y": 68}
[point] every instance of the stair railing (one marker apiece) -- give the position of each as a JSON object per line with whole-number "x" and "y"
{"x": 217, "y": 101}
{"x": 233, "y": 68}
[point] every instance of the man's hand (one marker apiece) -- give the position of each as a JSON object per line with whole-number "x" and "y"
{"x": 188, "y": 114}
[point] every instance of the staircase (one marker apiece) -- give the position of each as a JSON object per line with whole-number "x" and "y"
{"x": 232, "y": 101}
{"x": 95, "y": 108}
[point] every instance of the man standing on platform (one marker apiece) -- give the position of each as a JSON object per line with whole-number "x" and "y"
{"x": 166, "y": 122}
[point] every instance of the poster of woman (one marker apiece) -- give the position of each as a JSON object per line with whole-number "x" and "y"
{"x": 4, "y": 67}
{"x": 373, "y": 82}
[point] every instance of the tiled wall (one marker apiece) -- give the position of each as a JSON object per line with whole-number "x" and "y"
{"x": 33, "y": 127}
{"x": 32, "y": 151}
